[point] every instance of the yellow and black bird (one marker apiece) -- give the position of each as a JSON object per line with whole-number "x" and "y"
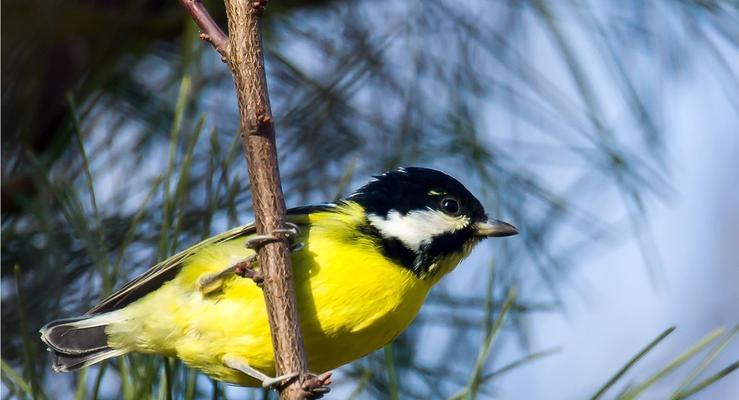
{"x": 362, "y": 273}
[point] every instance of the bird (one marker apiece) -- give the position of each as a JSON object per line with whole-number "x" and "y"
{"x": 362, "y": 268}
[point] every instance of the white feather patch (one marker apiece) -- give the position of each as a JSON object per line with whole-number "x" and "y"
{"x": 417, "y": 227}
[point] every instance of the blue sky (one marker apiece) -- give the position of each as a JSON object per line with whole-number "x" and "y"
{"x": 613, "y": 309}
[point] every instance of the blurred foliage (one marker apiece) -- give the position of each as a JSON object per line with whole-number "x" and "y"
{"x": 120, "y": 147}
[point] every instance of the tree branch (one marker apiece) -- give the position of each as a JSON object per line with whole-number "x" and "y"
{"x": 246, "y": 59}
{"x": 243, "y": 51}
{"x": 209, "y": 29}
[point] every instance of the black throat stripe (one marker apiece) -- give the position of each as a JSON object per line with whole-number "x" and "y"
{"x": 419, "y": 262}
{"x": 393, "y": 249}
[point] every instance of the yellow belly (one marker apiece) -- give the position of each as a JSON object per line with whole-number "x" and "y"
{"x": 350, "y": 302}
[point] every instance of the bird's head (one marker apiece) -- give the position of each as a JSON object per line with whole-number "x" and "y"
{"x": 425, "y": 219}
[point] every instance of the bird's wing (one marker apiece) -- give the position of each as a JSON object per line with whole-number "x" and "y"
{"x": 166, "y": 270}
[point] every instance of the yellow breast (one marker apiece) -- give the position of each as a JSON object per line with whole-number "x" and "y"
{"x": 351, "y": 301}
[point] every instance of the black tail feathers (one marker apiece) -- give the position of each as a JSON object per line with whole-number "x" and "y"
{"x": 78, "y": 342}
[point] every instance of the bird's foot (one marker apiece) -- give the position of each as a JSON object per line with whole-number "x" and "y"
{"x": 290, "y": 232}
{"x": 279, "y": 382}
{"x": 312, "y": 386}
{"x": 245, "y": 269}
{"x": 315, "y": 386}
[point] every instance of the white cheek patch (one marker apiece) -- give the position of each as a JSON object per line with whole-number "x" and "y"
{"x": 417, "y": 227}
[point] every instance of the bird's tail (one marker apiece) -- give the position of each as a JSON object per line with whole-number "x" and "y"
{"x": 80, "y": 342}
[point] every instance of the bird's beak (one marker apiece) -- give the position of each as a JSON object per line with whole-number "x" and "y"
{"x": 494, "y": 228}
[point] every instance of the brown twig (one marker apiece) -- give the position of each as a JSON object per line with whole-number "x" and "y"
{"x": 209, "y": 29}
{"x": 243, "y": 51}
{"x": 246, "y": 59}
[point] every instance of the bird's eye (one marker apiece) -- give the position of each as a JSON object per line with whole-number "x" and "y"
{"x": 450, "y": 205}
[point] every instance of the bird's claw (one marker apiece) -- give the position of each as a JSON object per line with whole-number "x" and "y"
{"x": 315, "y": 386}
{"x": 245, "y": 269}
{"x": 311, "y": 386}
{"x": 290, "y": 232}
{"x": 278, "y": 382}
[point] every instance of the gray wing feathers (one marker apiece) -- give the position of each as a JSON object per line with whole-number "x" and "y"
{"x": 161, "y": 273}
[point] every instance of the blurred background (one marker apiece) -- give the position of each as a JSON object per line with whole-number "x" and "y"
{"x": 608, "y": 132}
